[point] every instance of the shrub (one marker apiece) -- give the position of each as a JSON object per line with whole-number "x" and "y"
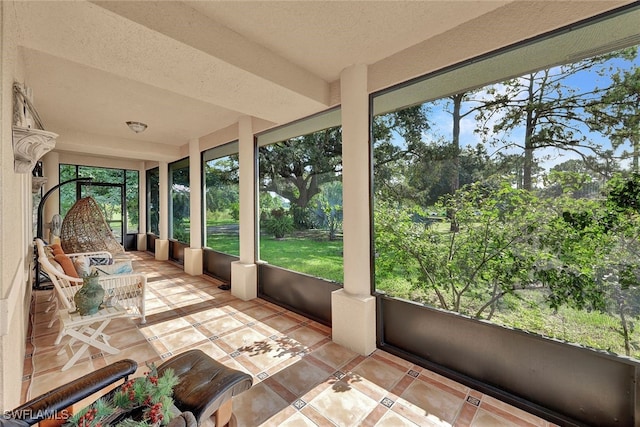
{"x": 278, "y": 223}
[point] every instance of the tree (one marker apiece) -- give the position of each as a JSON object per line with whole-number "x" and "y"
{"x": 472, "y": 268}
{"x": 617, "y": 113}
{"x": 548, "y": 106}
{"x": 328, "y": 209}
{"x": 296, "y": 168}
{"x": 222, "y": 180}
{"x": 397, "y": 147}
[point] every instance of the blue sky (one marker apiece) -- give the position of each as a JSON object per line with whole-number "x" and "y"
{"x": 583, "y": 81}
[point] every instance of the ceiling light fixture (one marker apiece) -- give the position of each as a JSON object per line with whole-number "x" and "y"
{"x": 137, "y": 127}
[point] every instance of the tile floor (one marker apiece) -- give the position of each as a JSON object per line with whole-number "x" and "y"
{"x": 301, "y": 378}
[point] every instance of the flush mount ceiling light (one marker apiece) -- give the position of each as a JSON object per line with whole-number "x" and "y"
{"x": 137, "y": 127}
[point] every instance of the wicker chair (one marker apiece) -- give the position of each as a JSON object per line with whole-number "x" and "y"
{"x": 126, "y": 293}
{"x": 84, "y": 229}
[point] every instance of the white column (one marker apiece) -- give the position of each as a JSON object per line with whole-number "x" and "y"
{"x": 244, "y": 273}
{"x": 193, "y": 254}
{"x": 162, "y": 244}
{"x": 142, "y": 208}
{"x": 51, "y": 170}
{"x": 353, "y": 308}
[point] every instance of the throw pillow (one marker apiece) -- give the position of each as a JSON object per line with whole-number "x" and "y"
{"x": 57, "y": 249}
{"x": 67, "y": 265}
{"x": 118, "y": 267}
{"x": 81, "y": 265}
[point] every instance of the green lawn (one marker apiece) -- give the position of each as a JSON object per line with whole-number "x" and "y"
{"x": 310, "y": 252}
{"x": 313, "y": 255}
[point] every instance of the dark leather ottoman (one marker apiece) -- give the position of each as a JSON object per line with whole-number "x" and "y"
{"x": 206, "y": 386}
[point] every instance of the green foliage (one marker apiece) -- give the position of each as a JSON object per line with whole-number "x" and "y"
{"x": 296, "y": 168}
{"x": 328, "y": 208}
{"x": 149, "y": 396}
{"x": 234, "y": 209}
{"x": 278, "y": 223}
{"x": 624, "y": 193}
{"x": 153, "y": 200}
{"x": 181, "y": 231}
{"x": 469, "y": 269}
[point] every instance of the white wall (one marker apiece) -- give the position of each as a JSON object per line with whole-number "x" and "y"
{"x": 15, "y": 226}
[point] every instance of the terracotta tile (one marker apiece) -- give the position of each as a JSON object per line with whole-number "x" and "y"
{"x": 281, "y": 323}
{"x": 315, "y": 416}
{"x": 168, "y": 326}
{"x": 312, "y": 359}
{"x": 390, "y": 359}
{"x": 246, "y": 338}
{"x": 45, "y": 362}
{"x": 141, "y": 353}
{"x": 392, "y": 419}
{"x": 487, "y": 419}
{"x": 279, "y": 388}
{"x": 424, "y": 398}
{"x": 466, "y": 415}
{"x": 300, "y": 376}
{"x": 126, "y": 338}
{"x": 306, "y": 336}
{"x": 379, "y": 372}
{"x": 443, "y": 383}
{"x": 161, "y": 316}
{"x": 297, "y": 420}
{"x": 206, "y": 315}
{"x": 222, "y": 324}
{"x": 56, "y": 378}
{"x": 258, "y": 404}
{"x": 183, "y": 339}
{"x": 509, "y": 413}
{"x": 209, "y": 348}
{"x": 374, "y": 416}
{"x": 343, "y": 405}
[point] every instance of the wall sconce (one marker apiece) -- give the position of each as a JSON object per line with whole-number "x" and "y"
{"x": 137, "y": 127}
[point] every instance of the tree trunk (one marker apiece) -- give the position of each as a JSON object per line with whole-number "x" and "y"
{"x": 527, "y": 168}
{"x": 455, "y": 150}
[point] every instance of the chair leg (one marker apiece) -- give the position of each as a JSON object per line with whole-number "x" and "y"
{"x": 92, "y": 340}
{"x": 53, "y": 305}
{"x": 224, "y": 413}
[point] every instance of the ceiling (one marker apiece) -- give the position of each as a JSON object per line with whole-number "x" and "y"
{"x": 189, "y": 69}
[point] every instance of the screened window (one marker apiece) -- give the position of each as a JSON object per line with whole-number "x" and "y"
{"x": 153, "y": 201}
{"x": 107, "y": 187}
{"x": 221, "y": 193}
{"x": 179, "y": 220}
{"x": 508, "y": 189}
{"x": 133, "y": 201}
{"x": 300, "y": 196}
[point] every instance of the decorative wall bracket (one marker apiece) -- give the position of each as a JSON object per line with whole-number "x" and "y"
{"x": 29, "y": 145}
{"x": 30, "y": 140}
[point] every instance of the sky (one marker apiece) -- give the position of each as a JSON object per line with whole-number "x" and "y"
{"x": 583, "y": 81}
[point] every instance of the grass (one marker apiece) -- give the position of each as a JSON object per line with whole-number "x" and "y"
{"x": 227, "y": 243}
{"x": 309, "y": 252}
{"x": 312, "y": 254}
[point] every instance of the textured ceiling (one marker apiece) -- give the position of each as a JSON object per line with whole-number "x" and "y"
{"x": 189, "y": 69}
